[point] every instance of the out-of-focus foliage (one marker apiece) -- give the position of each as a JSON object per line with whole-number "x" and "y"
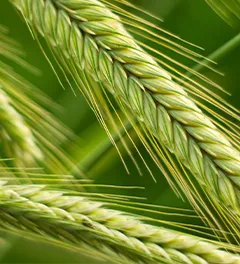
{"x": 193, "y": 21}
{"x": 228, "y": 10}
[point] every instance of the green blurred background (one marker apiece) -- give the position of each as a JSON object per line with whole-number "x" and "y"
{"x": 194, "y": 21}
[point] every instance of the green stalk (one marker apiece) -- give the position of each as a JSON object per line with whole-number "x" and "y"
{"x": 219, "y": 53}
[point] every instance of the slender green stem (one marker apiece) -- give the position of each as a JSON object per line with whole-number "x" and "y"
{"x": 219, "y": 53}
{"x": 103, "y": 147}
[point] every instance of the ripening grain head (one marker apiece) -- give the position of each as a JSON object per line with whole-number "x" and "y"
{"x": 79, "y": 222}
{"x": 30, "y": 135}
{"x": 87, "y": 38}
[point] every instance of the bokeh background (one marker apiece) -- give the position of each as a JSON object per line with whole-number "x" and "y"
{"x": 192, "y": 20}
